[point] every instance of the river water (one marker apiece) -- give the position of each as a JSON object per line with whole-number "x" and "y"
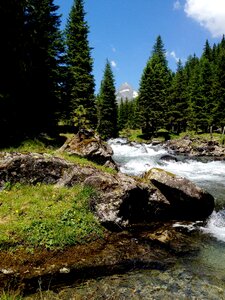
{"x": 199, "y": 276}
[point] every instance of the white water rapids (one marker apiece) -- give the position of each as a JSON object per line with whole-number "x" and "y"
{"x": 135, "y": 159}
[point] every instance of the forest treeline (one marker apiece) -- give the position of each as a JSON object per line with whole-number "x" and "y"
{"x": 192, "y": 98}
{"x": 47, "y": 79}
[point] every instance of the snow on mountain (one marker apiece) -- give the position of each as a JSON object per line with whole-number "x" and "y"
{"x": 126, "y": 92}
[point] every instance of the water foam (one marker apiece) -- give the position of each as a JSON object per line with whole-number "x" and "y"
{"x": 216, "y": 225}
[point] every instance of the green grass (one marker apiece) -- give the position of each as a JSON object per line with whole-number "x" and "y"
{"x": 10, "y": 296}
{"x": 43, "y": 215}
{"x": 200, "y": 136}
{"x": 84, "y": 162}
{"x": 34, "y": 145}
{"x": 134, "y": 135}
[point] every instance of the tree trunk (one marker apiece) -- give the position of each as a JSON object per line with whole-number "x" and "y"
{"x": 211, "y": 132}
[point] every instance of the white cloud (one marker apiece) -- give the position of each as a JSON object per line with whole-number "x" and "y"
{"x": 176, "y": 5}
{"x": 113, "y": 48}
{"x": 173, "y": 55}
{"x": 209, "y": 13}
{"x": 113, "y": 63}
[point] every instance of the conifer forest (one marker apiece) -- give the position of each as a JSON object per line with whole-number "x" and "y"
{"x": 47, "y": 80}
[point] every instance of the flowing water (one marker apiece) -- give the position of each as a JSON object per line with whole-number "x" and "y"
{"x": 199, "y": 276}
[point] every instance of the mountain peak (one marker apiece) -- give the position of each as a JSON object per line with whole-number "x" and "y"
{"x": 126, "y": 91}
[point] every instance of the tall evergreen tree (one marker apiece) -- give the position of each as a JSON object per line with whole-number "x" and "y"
{"x": 121, "y": 115}
{"x": 80, "y": 80}
{"x": 207, "y": 52}
{"x": 43, "y": 52}
{"x": 219, "y": 85}
{"x": 178, "y": 101}
{"x": 154, "y": 88}
{"x": 206, "y": 92}
{"x": 12, "y": 65}
{"x": 107, "y": 105}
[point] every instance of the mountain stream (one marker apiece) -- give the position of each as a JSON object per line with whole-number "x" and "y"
{"x": 199, "y": 276}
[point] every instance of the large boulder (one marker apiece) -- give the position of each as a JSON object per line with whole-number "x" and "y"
{"x": 124, "y": 201}
{"x": 31, "y": 168}
{"x": 89, "y": 145}
{"x": 121, "y": 200}
{"x": 187, "y": 201}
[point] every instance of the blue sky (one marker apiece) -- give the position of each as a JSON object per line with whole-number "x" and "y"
{"x": 124, "y": 31}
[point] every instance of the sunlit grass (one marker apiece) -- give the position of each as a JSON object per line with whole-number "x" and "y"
{"x": 30, "y": 145}
{"x": 47, "y": 216}
{"x": 218, "y": 137}
{"x": 134, "y": 135}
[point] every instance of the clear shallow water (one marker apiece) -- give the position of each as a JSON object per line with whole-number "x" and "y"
{"x": 175, "y": 283}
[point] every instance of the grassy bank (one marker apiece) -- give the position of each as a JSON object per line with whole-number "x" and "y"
{"x": 137, "y": 136}
{"x": 46, "y": 216}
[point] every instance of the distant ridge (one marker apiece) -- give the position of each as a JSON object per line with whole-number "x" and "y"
{"x": 126, "y": 92}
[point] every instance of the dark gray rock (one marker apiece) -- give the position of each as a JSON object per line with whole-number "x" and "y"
{"x": 31, "y": 168}
{"x": 187, "y": 201}
{"x": 168, "y": 157}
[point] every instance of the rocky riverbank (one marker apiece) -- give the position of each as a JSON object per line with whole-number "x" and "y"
{"x": 138, "y": 214}
{"x": 196, "y": 147}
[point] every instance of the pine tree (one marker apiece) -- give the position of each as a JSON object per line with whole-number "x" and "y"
{"x": 43, "y": 52}
{"x": 207, "y": 52}
{"x": 107, "y": 106}
{"x": 219, "y": 85}
{"x": 178, "y": 101}
{"x": 206, "y": 90}
{"x": 80, "y": 81}
{"x": 154, "y": 88}
{"x": 121, "y": 115}
{"x": 12, "y": 66}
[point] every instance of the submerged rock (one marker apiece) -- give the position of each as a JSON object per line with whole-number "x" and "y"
{"x": 169, "y": 157}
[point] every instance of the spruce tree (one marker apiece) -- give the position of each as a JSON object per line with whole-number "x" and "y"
{"x": 154, "y": 88}
{"x": 121, "y": 115}
{"x": 107, "y": 105}
{"x": 207, "y": 52}
{"x": 219, "y": 85}
{"x": 206, "y": 90}
{"x": 80, "y": 80}
{"x": 43, "y": 51}
{"x": 12, "y": 67}
{"x": 178, "y": 101}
